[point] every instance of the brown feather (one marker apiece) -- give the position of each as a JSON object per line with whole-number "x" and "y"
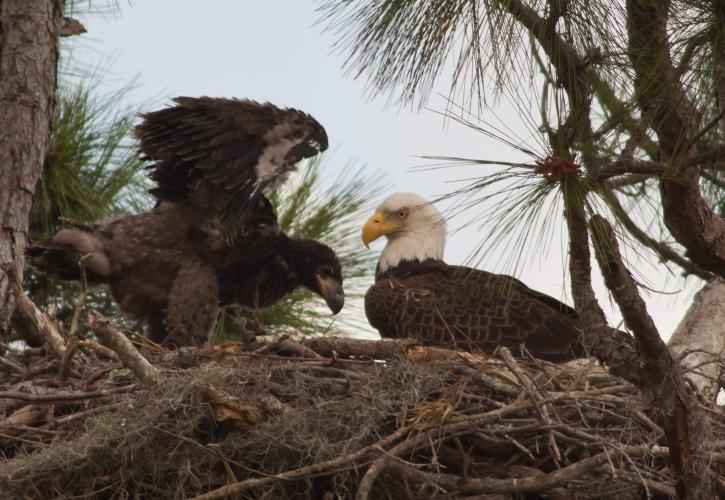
{"x": 172, "y": 266}
{"x": 212, "y": 145}
{"x": 439, "y": 304}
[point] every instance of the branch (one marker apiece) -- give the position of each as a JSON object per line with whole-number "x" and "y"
{"x": 670, "y": 114}
{"x": 121, "y": 345}
{"x": 29, "y": 321}
{"x": 571, "y": 71}
{"x": 468, "y": 485}
{"x": 685, "y": 426}
{"x": 73, "y": 338}
{"x": 629, "y": 166}
{"x": 71, "y": 27}
{"x": 660, "y": 248}
{"x": 621, "y": 358}
{"x": 387, "y": 349}
{"x": 62, "y": 396}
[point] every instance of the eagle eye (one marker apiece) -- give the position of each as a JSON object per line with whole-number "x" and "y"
{"x": 403, "y": 213}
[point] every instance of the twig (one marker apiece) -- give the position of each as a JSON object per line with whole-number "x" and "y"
{"x": 450, "y": 482}
{"x": 268, "y": 347}
{"x": 100, "y": 349}
{"x": 367, "y": 481}
{"x": 664, "y": 251}
{"x": 73, "y": 337}
{"x": 63, "y": 396}
{"x": 536, "y": 400}
{"x": 648, "y": 483}
{"x": 12, "y": 366}
{"x": 121, "y": 345}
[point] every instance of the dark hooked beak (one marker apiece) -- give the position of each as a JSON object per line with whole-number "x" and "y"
{"x": 332, "y": 292}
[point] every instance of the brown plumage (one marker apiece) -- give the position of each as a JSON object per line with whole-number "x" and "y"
{"x": 213, "y": 239}
{"x": 417, "y": 295}
{"x": 454, "y": 306}
{"x": 219, "y": 155}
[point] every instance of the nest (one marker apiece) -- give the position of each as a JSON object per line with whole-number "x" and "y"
{"x": 323, "y": 418}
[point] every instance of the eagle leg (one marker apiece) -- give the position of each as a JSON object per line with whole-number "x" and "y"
{"x": 193, "y": 305}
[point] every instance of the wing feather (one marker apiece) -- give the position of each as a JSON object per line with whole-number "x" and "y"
{"x": 473, "y": 309}
{"x": 207, "y": 152}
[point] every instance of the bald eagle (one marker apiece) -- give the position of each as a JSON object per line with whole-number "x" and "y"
{"x": 212, "y": 239}
{"x": 416, "y": 294}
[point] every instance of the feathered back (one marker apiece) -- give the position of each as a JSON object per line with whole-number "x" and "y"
{"x": 447, "y": 305}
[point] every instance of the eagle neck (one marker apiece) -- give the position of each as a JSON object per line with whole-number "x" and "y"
{"x": 419, "y": 246}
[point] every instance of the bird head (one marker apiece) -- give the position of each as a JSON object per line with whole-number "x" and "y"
{"x": 320, "y": 271}
{"x": 415, "y": 230}
{"x": 310, "y": 138}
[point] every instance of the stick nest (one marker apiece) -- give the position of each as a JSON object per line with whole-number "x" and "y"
{"x": 326, "y": 418}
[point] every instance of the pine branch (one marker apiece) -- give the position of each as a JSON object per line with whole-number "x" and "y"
{"x": 670, "y": 114}
{"x": 620, "y": 357}
{"x": 662, "y": 383}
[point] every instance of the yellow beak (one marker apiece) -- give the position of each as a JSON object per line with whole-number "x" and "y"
{"x": 377, "y": 226}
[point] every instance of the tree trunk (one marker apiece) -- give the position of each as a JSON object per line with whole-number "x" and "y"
{"x": 702, "y": 333}
{"x": 29, "y": 34}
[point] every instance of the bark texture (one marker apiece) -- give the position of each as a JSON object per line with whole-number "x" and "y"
{"x": 699, "y": 339}
{"x": 663, "y": 386}
{"x": 29, "y": 34}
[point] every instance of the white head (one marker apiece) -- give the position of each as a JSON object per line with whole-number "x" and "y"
{"x": 413, "y": 227}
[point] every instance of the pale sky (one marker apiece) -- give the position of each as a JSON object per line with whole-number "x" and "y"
{"x": 273, "y": 50}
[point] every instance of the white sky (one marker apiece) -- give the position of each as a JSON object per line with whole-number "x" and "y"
{"x": 273, "y": 51}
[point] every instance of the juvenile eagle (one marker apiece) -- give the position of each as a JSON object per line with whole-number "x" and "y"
{"x": 416, "y": 294}
{"x": 212, "y": 239}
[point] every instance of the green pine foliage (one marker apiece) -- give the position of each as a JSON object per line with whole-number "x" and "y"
{"x": 92, "y": 170}
{"x": 566, "y": 69}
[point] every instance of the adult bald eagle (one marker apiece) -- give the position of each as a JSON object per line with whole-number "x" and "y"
{"x": 416, "y": 294}
{"x": 212, "y": 239}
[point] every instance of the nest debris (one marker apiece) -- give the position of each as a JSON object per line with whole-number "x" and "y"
{"x": 322, "y": 418}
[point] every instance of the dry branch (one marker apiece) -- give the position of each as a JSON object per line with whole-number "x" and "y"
{"x": 388, "y": 349}
{"x": 222, "y": 423}
{"x": 122, "y": 346}
{"x": 30, "y": 321}
{"x": 62, "y": 396}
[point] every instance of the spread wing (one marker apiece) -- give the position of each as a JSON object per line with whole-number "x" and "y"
{"x": 218, "y": 155}
{"x": 473, "y": 309}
